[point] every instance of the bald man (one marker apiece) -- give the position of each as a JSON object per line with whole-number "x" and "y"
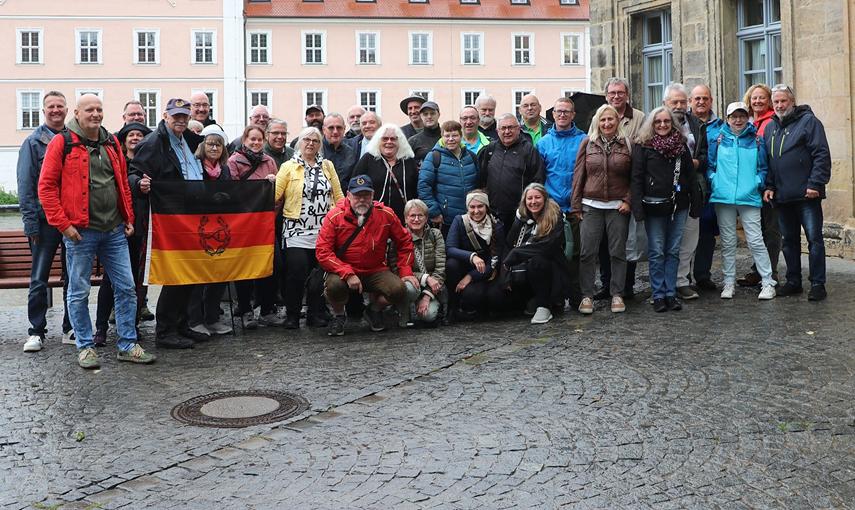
{"x": 200, "y": 109}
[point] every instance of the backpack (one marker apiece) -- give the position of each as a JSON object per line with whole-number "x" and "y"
{"x": 70, "y": 144}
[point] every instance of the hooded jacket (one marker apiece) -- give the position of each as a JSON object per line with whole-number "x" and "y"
{"x": 30, "y": 159}
{"x": 799, "y": 157}
{"x": 559, "y": 150}
{"x": 424, "y": 141}
{"x": 761, "y": 121}
{"x": 443, "y": 188}
{"x": 736, "y": 167}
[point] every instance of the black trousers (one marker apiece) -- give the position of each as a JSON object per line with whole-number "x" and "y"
{"x": 481, "y": 296}
{"x": 299, "y": 262}
{"x": 171, "y": 311}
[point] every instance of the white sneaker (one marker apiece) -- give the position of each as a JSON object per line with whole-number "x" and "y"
{"x": 541, "y": 316}
{"x": 767, "y": 292}
{"x": 219, "y": 328}
{"x": 33, "y": 344}
{"x": 201, "y": 329}
{"x": 69, "y": 338}
{"x": 727, "y": 291}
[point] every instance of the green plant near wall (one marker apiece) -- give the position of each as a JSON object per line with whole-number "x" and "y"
{"x": 7, "y": 198}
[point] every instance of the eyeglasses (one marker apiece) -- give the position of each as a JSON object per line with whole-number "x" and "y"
{"x": 561, "y": 113}
{"x": 335, "y": 128}
{"x": 199, "y": 105}
{"x": 310, "y": 140}
{"x": 260, "y": 117}
{"x": 508, "y": 128}
{"x": 616, "y": 94}
{"x": 389, "y": 139}
{"x": 278, "y": 133}
{"x": 416, "y": 216}
{"x": 213, "y": 145}
{"x": 471, "y": 117}
{"x": 661, "y": 121}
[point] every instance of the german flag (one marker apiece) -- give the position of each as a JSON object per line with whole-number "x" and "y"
{"x": 209, "y": 232}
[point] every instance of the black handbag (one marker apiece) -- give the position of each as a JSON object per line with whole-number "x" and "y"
{"x": 664, "y": 206}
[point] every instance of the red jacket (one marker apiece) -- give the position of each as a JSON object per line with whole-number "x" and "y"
{"x": 761, "y": 122}
{"x": 64, "y": 185}
{"x": 367, "y": 253}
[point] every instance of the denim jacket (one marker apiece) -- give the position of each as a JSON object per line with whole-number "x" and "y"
{"x": 30, "y": 158}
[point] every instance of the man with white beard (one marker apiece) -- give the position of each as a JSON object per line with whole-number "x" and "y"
{"x": 486, "y": 106}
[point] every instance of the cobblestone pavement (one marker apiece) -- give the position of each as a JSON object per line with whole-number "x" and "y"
{"x": 737, "y": 404}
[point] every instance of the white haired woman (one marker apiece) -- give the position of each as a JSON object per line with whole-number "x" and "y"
{"x": 307, "y": 188}
{"x": 424, "y": 302}
{"x": 389, "y": 161}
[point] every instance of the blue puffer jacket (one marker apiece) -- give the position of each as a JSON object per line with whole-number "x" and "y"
{"x": 444, "y": 189}
{"x": 736, "y": 166}
{"x": 558, "y": 150}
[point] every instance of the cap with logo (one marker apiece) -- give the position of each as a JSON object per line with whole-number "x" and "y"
{"x": 360, "y": 183}
{"x": 178, "y": 106}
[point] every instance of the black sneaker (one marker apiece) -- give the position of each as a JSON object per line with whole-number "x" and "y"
{"x": 659, "y": 305}
{"x": 173, "y": 342}
{"x": 336, "y": 325}
{"x": 100, "y": 338}
{"x": 816, "y": 293}
{"x": 673, "y": 303}
{"x": 292, "y": 322}
{"x": 789, "y": 289}
{"x": 374, "y": 318}
{"x": 706, "y": 284}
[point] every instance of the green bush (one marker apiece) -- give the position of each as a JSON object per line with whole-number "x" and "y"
{"x": 7, "y": 198}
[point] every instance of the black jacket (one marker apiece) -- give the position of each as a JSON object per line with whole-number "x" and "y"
{"x": 406, "y": 171}
{"x": 410, "y": 131}
{"x": 799, "y": 157}
{"x": 550, "y": 247}
{"x": 155, "y": 157}
{"x": 343, "y": 159}
{"x": 653, "y": 176}
{"x": 424, "y": 141}
{"x": 506, "y": 171}
{"x": 279, "y": 157}
{"x": 490, "y": 131}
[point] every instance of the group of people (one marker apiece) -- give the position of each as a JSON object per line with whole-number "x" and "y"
{"x": 439, "y": 221}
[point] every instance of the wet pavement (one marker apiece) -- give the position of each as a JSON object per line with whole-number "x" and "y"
{"x": 726, "y": 404}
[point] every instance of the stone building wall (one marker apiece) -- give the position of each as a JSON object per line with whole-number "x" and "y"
{"x": 818, "y": 58}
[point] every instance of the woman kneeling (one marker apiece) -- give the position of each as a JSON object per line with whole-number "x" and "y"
{"x": 424, "y": 303}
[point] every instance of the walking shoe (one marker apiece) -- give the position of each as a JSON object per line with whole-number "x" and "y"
{"x": 317, "y": 320}
{"x": 336, "y": 325}
{"x": 686, "y": 292}
{"x": 248, "y": 320}
{"x": 542, "y": 315}
{"x": 673, "y": 303}
{"x": 817, "y": 293}
{"x": 727, "y": 291}
{"x": 374, "y": 318}
{"x": 68, "y": 338}
{"x": 173, "y": 342}
{"x": 659, "y": 305}
{"x": 136, "y": 355}
{"x": 586, "y": 307}
{"x": 706, "y": 284}
{"x": 271, "y": 319}
{"x": 200, "y": 332}
{"x": 767, "y": 292}
{"x": 88, "y": 358}
{"x": 750, "y": 280}
{"x": 602, "y": 294}
{"x": 145, "y": 314}
{"x": 617, "y": 305}
{"x": 33, "y": 344}
{"x": 100, "y": 338}
{"x": 219, "y": 328}
{"x": 789, "y": 289}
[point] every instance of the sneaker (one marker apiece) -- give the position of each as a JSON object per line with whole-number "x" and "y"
{"x": 706, "y": 284}
{"x": 686, "y": 292}
{"x": 88, "y": 358}
{"x": 602, "y": 294}
{"x": 173, "y": 342}
{"x": 374, "y": 318}
{"x": 617, "y": 305}
{"x": 336, "y": 325}
{"x": 586, "y": 307}
{"x": 219, "y": 328}
{"x": 68, "y": 338}
{"x": 749, "y": 280}
{"x": 248, "y": 320}
{"x": 817, "y": 293}
{"x": 727, "y": 291}
{"x": 542, "y": 315}
{"x": 145, "y": 314}
{"x": 673, "y": 303}
{"x": 789, "y": 289}
{"x": 200, "y": 329}
{"x": 100, "y": 338}
{"x": 271, "y": 319}
{"x": 659, "y": 305}
{"x": 33, "y": 344}
{"x": 292, "y": 323}
{"x": 136, "y": 355}
{"x": 767, "y": 292}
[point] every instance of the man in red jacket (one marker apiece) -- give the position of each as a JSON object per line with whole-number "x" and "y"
{"x": 84, "y": 191}
{"x": 351, "y": 248}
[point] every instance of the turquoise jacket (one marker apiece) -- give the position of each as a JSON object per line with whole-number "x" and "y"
{"x": 737, "y": 167}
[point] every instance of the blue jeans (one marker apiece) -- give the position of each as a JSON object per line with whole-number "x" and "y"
{"x": 793, "y": 216}
{"x": 37, "y": 299}
{"x": 752, "y": 226}
{"x": 664, "y": 234}
{"x": 112, "y": 250}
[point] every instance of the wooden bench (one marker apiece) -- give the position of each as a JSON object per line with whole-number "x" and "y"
{"x": 16, "y": 262}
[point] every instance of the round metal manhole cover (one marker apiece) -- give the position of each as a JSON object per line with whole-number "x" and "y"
{"x": 235, "y": 409}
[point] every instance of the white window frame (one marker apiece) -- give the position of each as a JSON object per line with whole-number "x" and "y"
{"x": 212, "y": 100}
{"x": 99, "y": 47}
{"x": 463, "y": 92}
{"x": 514, "y": 103}
{"x": 19, "y": 108}
{"x": 136, "y": 47}
{"x": 429, "y": 93}
{"x": 19, "y": 48}
{"x": 269, "y": 47}
{"x": 530, "y": 36}
{"x": 377, "y": 99}
{"x": 480, "y": 48}
{"x": 325, "y": 95}
{"x": 376, "y": 35}
{"x": 157, "y": 106}
{"x": 86, "y": 90}
{"x": 568, "y": 2}
{"x": 213, "y": 33}
{"x": 429, "y": 47}
{"x": 580, "y": 47}
{"x": 250, "y": 104}
{"x": 303, "y": 48}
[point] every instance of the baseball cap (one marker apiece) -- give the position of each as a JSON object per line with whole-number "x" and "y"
{"x": 360, "y": 183}
{"x": 312, "y": 107}
{"x": 738, "y": 105}
{"x": 429, "y": 105}
{"x": 178, "y": 106}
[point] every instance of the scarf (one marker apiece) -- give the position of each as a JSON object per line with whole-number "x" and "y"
{"x": 212, "y": 169}
{"x": 671, "y": 146}
{"x": 419, "y": 250}
{"x": 254, "y": 158}
{"x": 608, "y": 143}
{"x": 318, "y": 164}
{"x": 484, "y": 228}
